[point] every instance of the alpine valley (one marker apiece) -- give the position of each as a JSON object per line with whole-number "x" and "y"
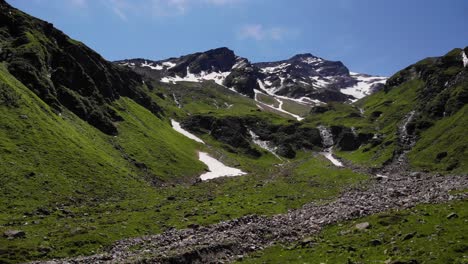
{"x": 212, "y": 158}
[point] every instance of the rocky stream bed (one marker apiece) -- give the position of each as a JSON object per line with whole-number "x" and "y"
{"x": 230, "y": 240}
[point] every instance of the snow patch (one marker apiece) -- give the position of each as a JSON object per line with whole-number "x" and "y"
{"x": 157, "y": 67}
{"x": 178, "y": 128}
{"x": 217, "y": 169}
{"x": 169, "y": 64}
{"x": 465, "y": 59}
{"x": 318, "y": 81}
{"x": 363, "y": 85}
{"x": 312, "y": 60}
{"x": 217, "y": 77}
{"x": 275, "y": 69}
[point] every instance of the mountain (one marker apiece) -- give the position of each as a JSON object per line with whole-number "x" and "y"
{"x": 104, "y": 163}
{"x": 305, "y": 77}
{"x": 65, "y": 73}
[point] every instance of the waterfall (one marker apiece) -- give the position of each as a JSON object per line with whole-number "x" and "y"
{"x": 266, "y": 145}
{"x": 326, "y": 135}
{"x": 176, "y": 101}
{"x": 405, "y": 138}
{"x": 327, "y": 142}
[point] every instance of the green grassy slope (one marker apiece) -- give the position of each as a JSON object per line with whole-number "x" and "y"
{"x": 52, "y": 161}
{"x": 443, "y": 147}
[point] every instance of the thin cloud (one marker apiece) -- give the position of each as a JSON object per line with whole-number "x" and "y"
{"x": 79, "y": 3}
{"x": 120, "y": 8}
{"x": 124, "y": 9}
{"x": 169, "y": 7}
{"x": 223, "y": 2}
{"x": 259, "y": 32}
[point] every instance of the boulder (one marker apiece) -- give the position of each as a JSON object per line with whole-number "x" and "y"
{"x": 13, "y": 234}
{"x": 452, "y": 215}
{"x": 362, "y": 226}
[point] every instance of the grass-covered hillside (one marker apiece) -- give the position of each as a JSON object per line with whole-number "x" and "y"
{"x": 435, "y": 90}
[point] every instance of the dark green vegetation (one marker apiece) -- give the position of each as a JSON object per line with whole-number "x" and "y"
{"x": 424, "y": 234}
{"x": 88, "y": 155}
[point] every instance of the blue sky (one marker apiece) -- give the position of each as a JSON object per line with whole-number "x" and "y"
{"x": 370, "y": 36}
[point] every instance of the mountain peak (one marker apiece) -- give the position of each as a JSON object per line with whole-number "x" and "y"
{"x": 305, "y": 57}
{"x": 223, "y": 51}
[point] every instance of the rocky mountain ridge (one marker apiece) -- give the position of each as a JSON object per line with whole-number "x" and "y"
{"x": 304, "y": 77}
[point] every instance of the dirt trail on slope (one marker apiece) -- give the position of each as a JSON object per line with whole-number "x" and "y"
{"x": 229, "y": 240}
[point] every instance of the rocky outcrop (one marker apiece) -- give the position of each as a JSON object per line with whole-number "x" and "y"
{"x": 344, "y": 138}
{"x": 234, "y": 131}
{"x": 243, "y": 80}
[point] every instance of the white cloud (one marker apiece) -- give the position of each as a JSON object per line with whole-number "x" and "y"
{"x": 259, "y": 32}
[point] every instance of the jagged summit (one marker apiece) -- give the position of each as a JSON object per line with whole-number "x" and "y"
{"x": 304, "y": 56}
{"x": 303, "y": 76}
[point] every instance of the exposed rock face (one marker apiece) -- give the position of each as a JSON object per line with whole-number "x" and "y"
{"x": 303, "y": 75}
{"x": 64, "y": 72}
{"x": 234, "y": 131}
{"x": 244, "y": 80}
{"x": 217, "y": 60}
{"x": 343, "y": 137}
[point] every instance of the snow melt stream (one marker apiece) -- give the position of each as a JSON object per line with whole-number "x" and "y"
{"x": 266, "y": 145}
{"x": 279, "y": 108}
{"x": 217, "y": 169}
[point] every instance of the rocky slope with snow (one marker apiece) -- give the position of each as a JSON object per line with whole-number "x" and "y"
{"x": 303, "y": 77}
